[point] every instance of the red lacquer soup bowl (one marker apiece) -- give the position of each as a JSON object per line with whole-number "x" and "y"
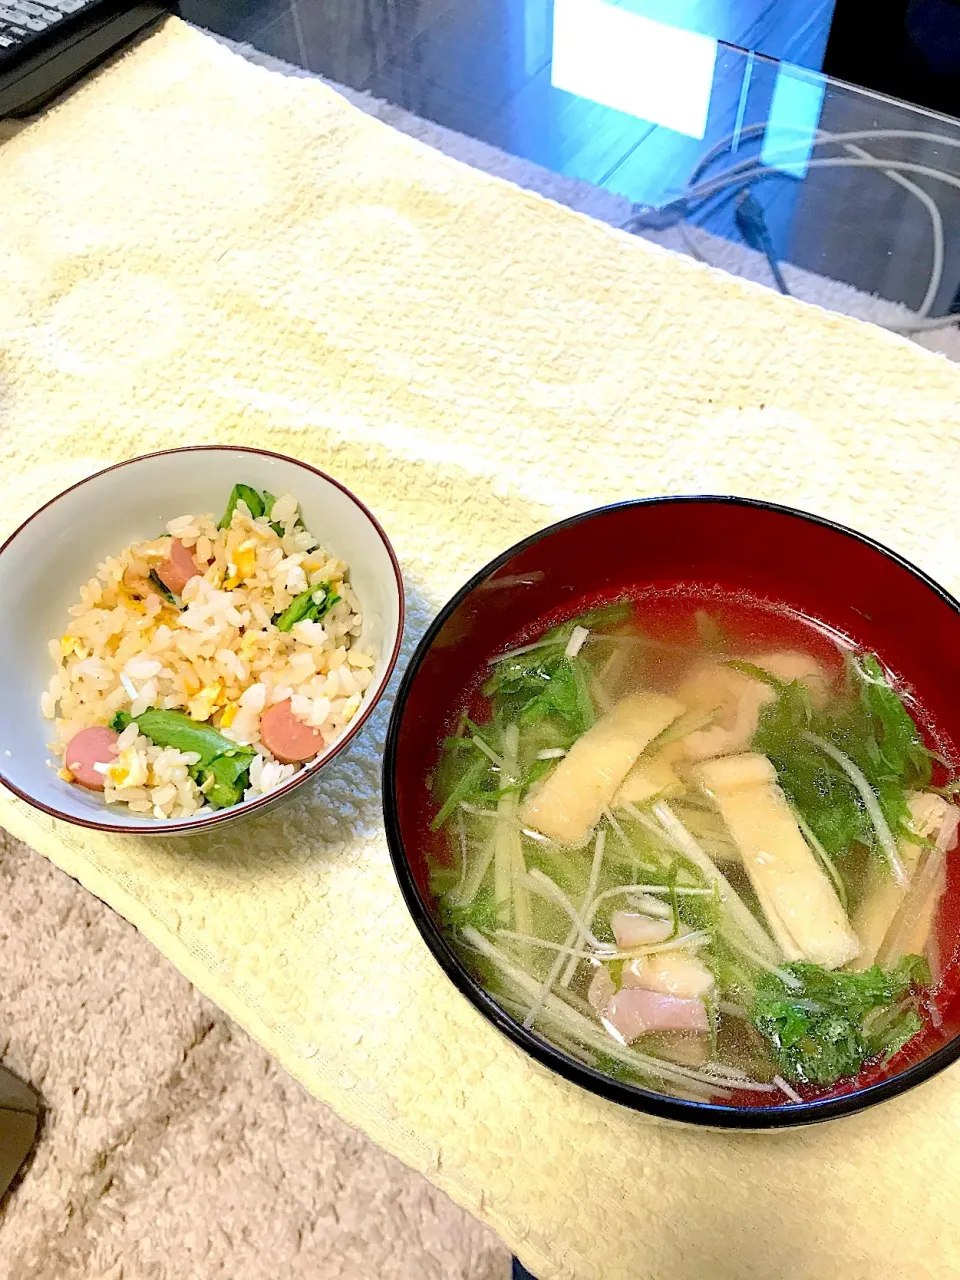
{"x": 731, "y": 548}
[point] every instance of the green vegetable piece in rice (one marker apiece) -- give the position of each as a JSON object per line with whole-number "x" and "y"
{"x": 253, "y": 499}
{"x": 229, "y": 775}
{"x": 310, "y": 606}
{"x": 176, "y": 729}
{"x": 268, "y": 500}
{"x": 258, "y": 504}
{"x": 225, "y": 762}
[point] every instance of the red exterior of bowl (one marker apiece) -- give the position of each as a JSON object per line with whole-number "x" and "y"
{"x": 819, "y": 569}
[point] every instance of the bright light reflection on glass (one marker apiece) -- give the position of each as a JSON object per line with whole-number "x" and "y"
{"x": 633, "y": 64}
{"x": 794, "y": 115}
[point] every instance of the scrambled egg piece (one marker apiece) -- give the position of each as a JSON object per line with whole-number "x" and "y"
{"x": 203, "y": 705}
{"x": 351, "y": 707}
{"x": 245, "y": 559}
{"x": 248, "y": 646}
{"x": 131, "y": 601}
{"x": 191, "y": 681}
{"x": 229, "y": 715}
{"x": 70, "y": 644}
{"x": 128, "y": 770}
{"x": 242, "y": 566}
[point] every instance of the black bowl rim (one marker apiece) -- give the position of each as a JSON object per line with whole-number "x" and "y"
{"x": 187, "y": 826}
{"x": 635, "y": 1097}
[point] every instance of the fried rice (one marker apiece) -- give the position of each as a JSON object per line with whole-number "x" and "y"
{"x": 215, "y": 653}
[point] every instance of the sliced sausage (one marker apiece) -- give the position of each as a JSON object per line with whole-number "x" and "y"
{"x": 179, "y": 567}
{"x": 287, "y": 738}
{"x": 97, "y": 745}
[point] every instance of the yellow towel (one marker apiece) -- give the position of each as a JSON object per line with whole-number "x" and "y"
{"x": 194, "y": 249}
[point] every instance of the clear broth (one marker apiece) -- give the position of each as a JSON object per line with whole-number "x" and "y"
{"x": 666, "y": 635}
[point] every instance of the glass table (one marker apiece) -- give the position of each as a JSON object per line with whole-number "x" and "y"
{"x": 762, "y": 166}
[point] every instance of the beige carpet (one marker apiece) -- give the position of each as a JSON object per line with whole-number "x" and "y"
{"x": 172, "y": 1145}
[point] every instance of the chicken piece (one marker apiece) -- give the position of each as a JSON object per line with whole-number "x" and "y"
{"x": 672, "y": 973}
{"x": 652, "y": 775}
{"x": 739, "y": 698}
{"x": 570, "y": 801}
{"x": 797, "y": 898}
{"x": 635, "y": 1011}
{"x": 735, "y": 698}
{"x": 882, "y": 895}
{"x": 634, "y": 930}
{"x": 686, "y": 1048}
{"x": 601, "y": 990}
{"x": 789, "y": 665}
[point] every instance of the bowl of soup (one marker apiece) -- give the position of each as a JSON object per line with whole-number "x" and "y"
{"x": 670, "y": 790}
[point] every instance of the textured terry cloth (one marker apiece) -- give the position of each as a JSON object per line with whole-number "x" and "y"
{"x": 606, "y": 205}
{"x": 196, "y": 249}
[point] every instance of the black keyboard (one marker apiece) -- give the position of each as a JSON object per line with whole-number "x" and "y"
{"x": 45, "y": 45}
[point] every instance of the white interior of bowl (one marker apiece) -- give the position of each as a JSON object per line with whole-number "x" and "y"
{"x": 44, "y": 565}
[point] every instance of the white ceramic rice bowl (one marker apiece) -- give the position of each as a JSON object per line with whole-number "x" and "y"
{"x": 45, "y": 562}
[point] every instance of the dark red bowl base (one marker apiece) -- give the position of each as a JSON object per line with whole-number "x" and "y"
{"x": 770, "y": 569}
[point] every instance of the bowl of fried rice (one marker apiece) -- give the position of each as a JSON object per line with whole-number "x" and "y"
{"x": 188, "y": 636}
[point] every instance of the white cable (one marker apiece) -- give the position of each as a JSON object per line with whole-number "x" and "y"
{"x": 858, "y": 158}
{"x": 928, "y": 326}
{"x": 886, "y": 168}
{"x": 936, "y": 227}
{"x": 829, "y": 162}
{"x": 890, "y": 170}
{"x": 751, "y": 170}
{"x": 819, "y": 136}
{"x": 936, "y": 220}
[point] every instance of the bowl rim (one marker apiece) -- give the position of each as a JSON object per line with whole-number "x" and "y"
{"x": 183, "y": 826}
{"x": 636, "y": 1097}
